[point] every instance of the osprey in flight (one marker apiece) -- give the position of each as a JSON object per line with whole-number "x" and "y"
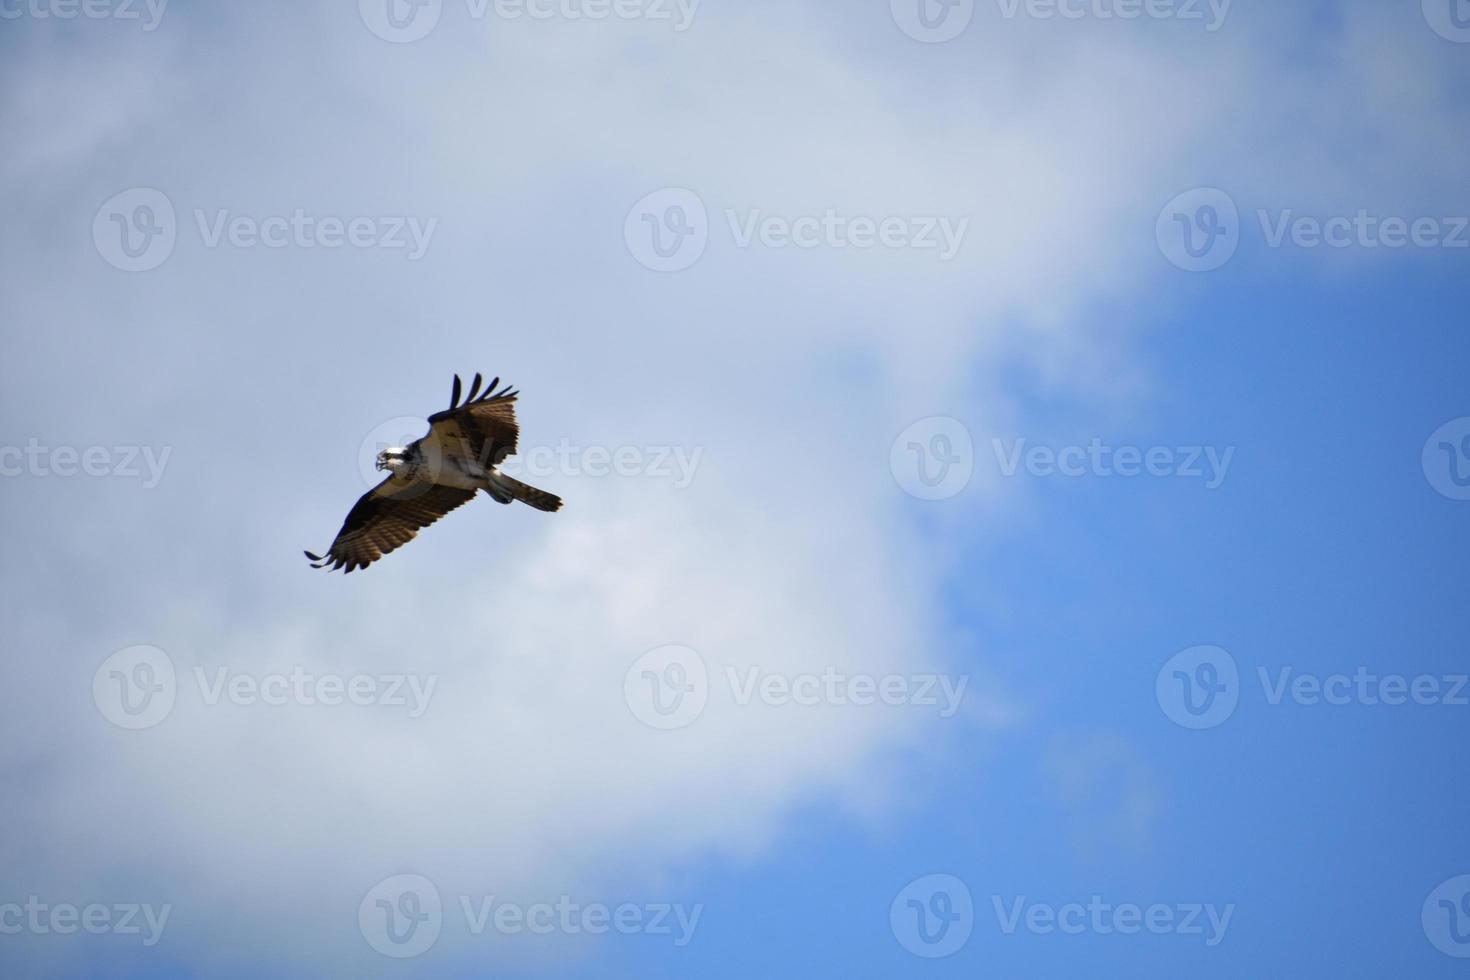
{"x": 434, "y": 475}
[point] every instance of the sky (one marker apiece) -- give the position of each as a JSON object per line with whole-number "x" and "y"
{"x": 1017, "y": 471}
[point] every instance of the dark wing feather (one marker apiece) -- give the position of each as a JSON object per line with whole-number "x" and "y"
{"x": 483, "y": 428}
{"x": 386, "y": 518}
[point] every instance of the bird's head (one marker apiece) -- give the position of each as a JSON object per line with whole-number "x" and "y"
{"x": 393, "y": 459}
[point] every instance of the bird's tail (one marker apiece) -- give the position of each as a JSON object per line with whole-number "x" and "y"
{"x": 505, "y": 489}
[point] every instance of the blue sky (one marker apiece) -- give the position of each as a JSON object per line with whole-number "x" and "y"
{"x": 840, "y": 288}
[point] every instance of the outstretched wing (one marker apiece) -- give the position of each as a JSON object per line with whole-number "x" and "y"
{"x": 483, "y": 428}
{"x": 387, "y": 517}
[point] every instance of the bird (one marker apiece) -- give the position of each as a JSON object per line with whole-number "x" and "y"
{"x": 428, "y": 478}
